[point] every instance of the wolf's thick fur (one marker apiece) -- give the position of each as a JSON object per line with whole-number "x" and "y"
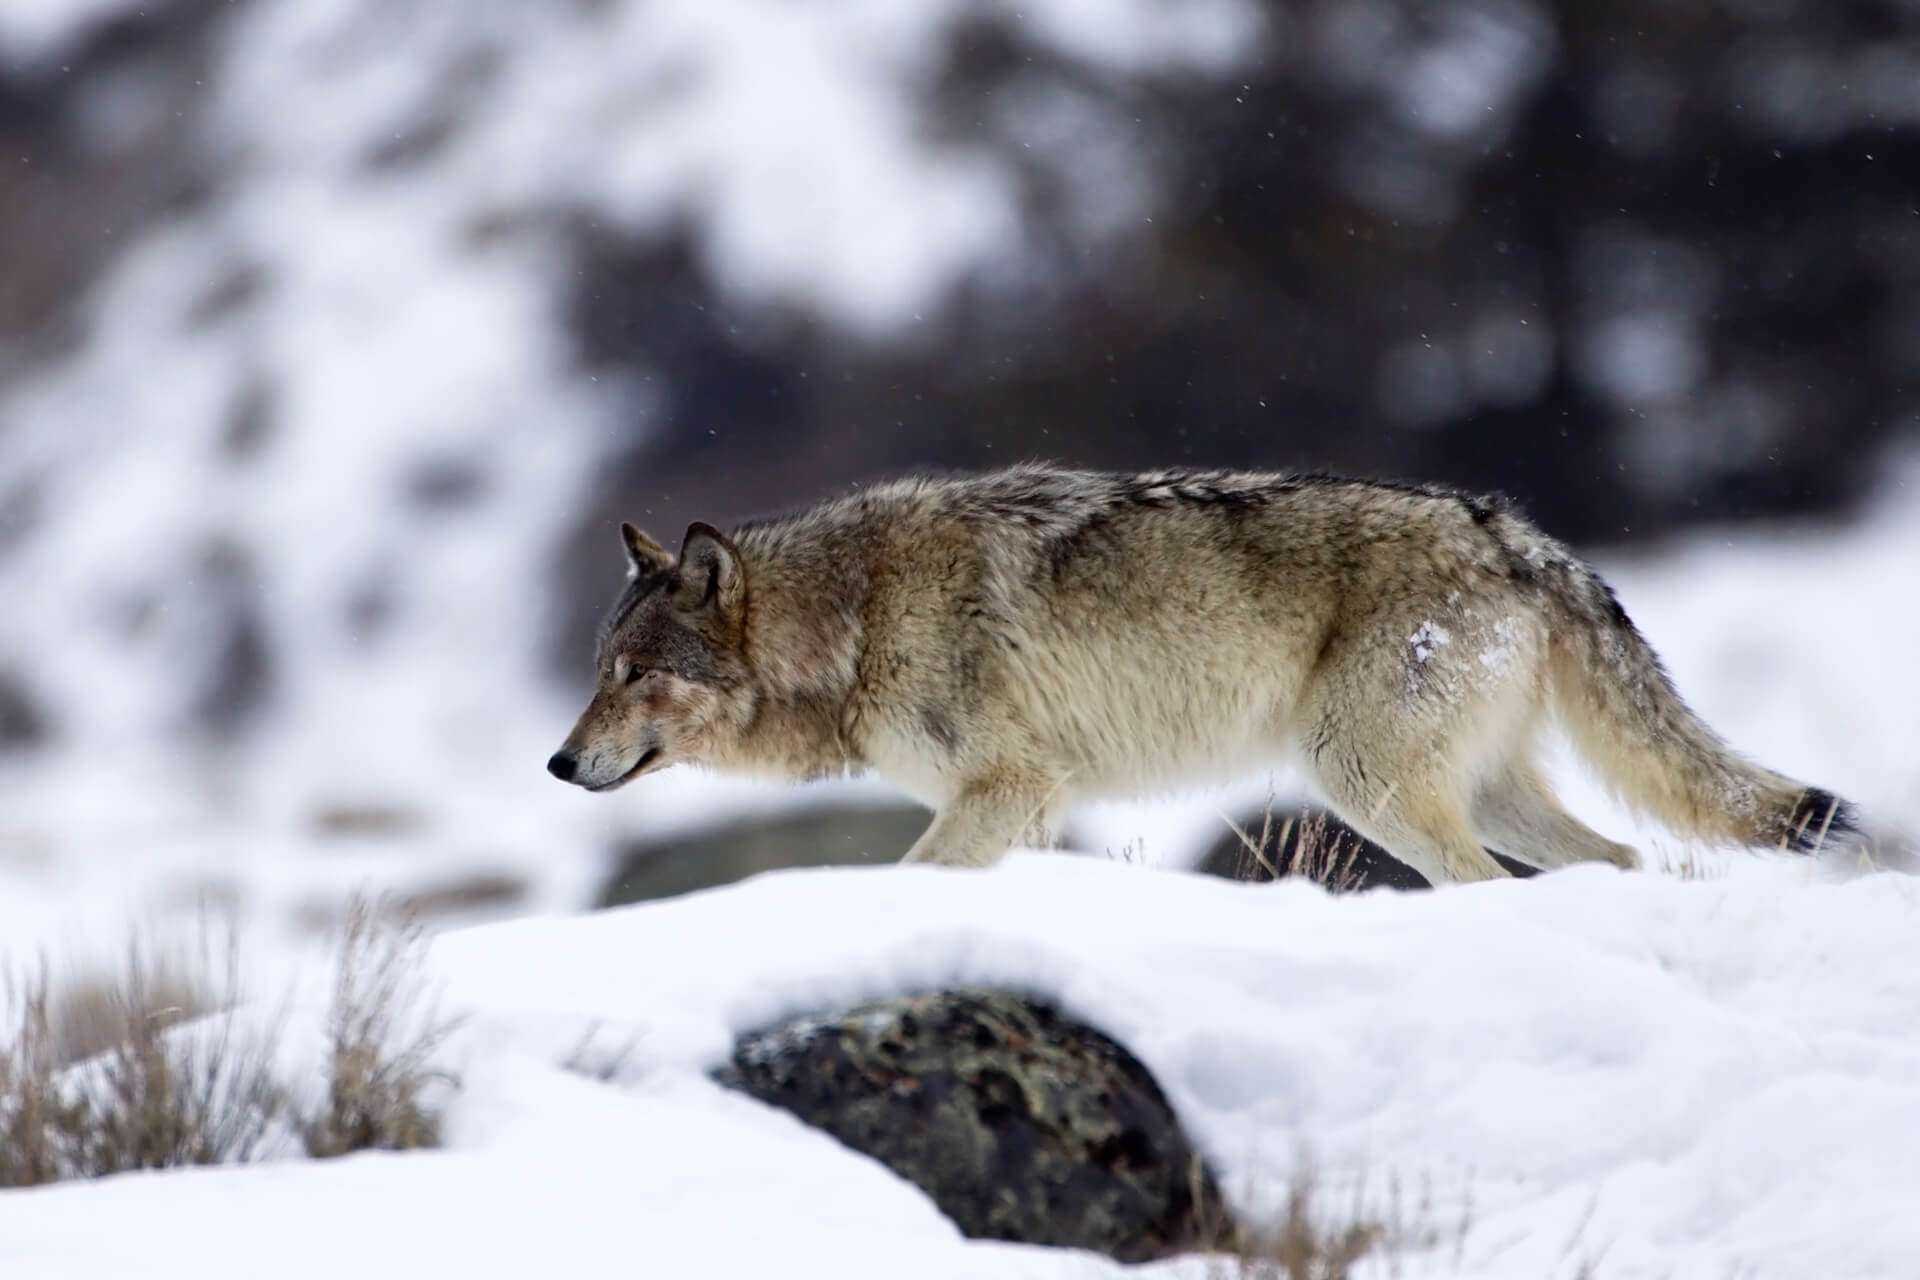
{"x": 1003, "y": 645}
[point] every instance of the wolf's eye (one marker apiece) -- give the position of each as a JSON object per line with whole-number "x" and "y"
{"x": 634, "y": 674}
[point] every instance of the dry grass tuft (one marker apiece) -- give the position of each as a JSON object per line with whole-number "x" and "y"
{"x": 151, "y": 1069}
{"x": 606, "y": 1063}
{"x": 1312, "y": 848}
{"x": 381, "y": 1088}
{"x": 102, "y": 1078}
{"x": 93, "y": 1012}
{"x": 1689, "y": 862}
{"x": 1311, "y": 1240}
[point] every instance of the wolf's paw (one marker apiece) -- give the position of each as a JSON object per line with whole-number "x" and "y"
{"x": 1624, "y": 856}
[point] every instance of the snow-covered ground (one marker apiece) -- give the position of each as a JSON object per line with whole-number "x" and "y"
{"x": 1672, "y": 1077}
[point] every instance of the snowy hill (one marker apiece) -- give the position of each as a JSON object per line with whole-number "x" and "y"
{"x": 1671, "y": 1077}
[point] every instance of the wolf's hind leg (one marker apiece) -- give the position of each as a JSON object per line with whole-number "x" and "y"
{"x": 1516, "y": 812}
{"x": 1428, "y": 830}
{"x": 986, "y": 818}
{"x": 1415, "y": 817}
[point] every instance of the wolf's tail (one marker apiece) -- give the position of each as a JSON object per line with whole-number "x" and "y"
{"x": 1625, "y": 717}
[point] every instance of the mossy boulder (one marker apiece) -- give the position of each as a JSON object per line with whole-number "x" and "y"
{"x": 1020, "y": 1123}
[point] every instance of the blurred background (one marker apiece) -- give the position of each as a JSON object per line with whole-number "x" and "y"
{"x": 336, "y": 337}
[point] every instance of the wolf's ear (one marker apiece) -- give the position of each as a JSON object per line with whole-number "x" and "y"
{"x": 644, "y": 555}
{"x": 709, "y": 571}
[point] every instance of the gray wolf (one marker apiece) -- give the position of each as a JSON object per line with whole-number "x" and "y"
{"x": 1003, "y": 645}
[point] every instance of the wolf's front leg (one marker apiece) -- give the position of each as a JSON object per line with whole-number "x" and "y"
{"x": 979, "y": 825}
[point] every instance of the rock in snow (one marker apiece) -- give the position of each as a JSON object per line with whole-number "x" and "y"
{"x": 1019, "y": 1123}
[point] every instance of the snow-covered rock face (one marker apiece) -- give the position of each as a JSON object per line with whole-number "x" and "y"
{"x": 333, "y": 414}
{"x": 788, "y": 135}
{"x": 36, "y": 31}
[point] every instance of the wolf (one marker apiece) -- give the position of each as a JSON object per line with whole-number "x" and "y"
{"x": 1004, "y": 645}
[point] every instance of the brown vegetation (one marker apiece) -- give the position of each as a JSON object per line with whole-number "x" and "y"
{"x": 151, "y": 1068}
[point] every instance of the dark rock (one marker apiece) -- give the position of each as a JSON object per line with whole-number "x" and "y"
{"x": 238, "y": 678}
{"x": 446, "y": 484}
{"x": 22, "y": 723}
{"x": 424, "y": 137}
{"x": 371, "y": 605}
{"x": 22, "y": 505}
{"x": 824, "y": 836}
{"x": 1315, "y": 844}
{"x": 493, "y": 892}
{"x": 238, "y": 287}
{"x": 250, "y": 419}
{"x": 1019, "y": 1123}
{"x": 367, "y": 820}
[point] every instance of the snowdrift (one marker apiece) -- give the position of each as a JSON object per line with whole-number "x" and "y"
{"x": 1674, "y": 1077}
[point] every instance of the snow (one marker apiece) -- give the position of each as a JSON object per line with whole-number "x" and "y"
{"x": 33, "y": 31}
{"x": 1502, "y": 649}
{"x": 1427, "y": 638}
{"x": 1686, "y": 1078}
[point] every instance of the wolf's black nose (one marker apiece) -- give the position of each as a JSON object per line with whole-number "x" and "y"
{"x": 563, "y": 765}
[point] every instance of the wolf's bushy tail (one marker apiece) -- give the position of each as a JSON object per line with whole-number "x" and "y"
{"x": 1619, "y": 706}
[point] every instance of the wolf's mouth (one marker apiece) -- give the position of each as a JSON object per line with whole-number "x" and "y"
{"x": 647, "y": 757}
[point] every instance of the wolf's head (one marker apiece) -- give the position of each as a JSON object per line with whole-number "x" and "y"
{"x": 671, "y": 684}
